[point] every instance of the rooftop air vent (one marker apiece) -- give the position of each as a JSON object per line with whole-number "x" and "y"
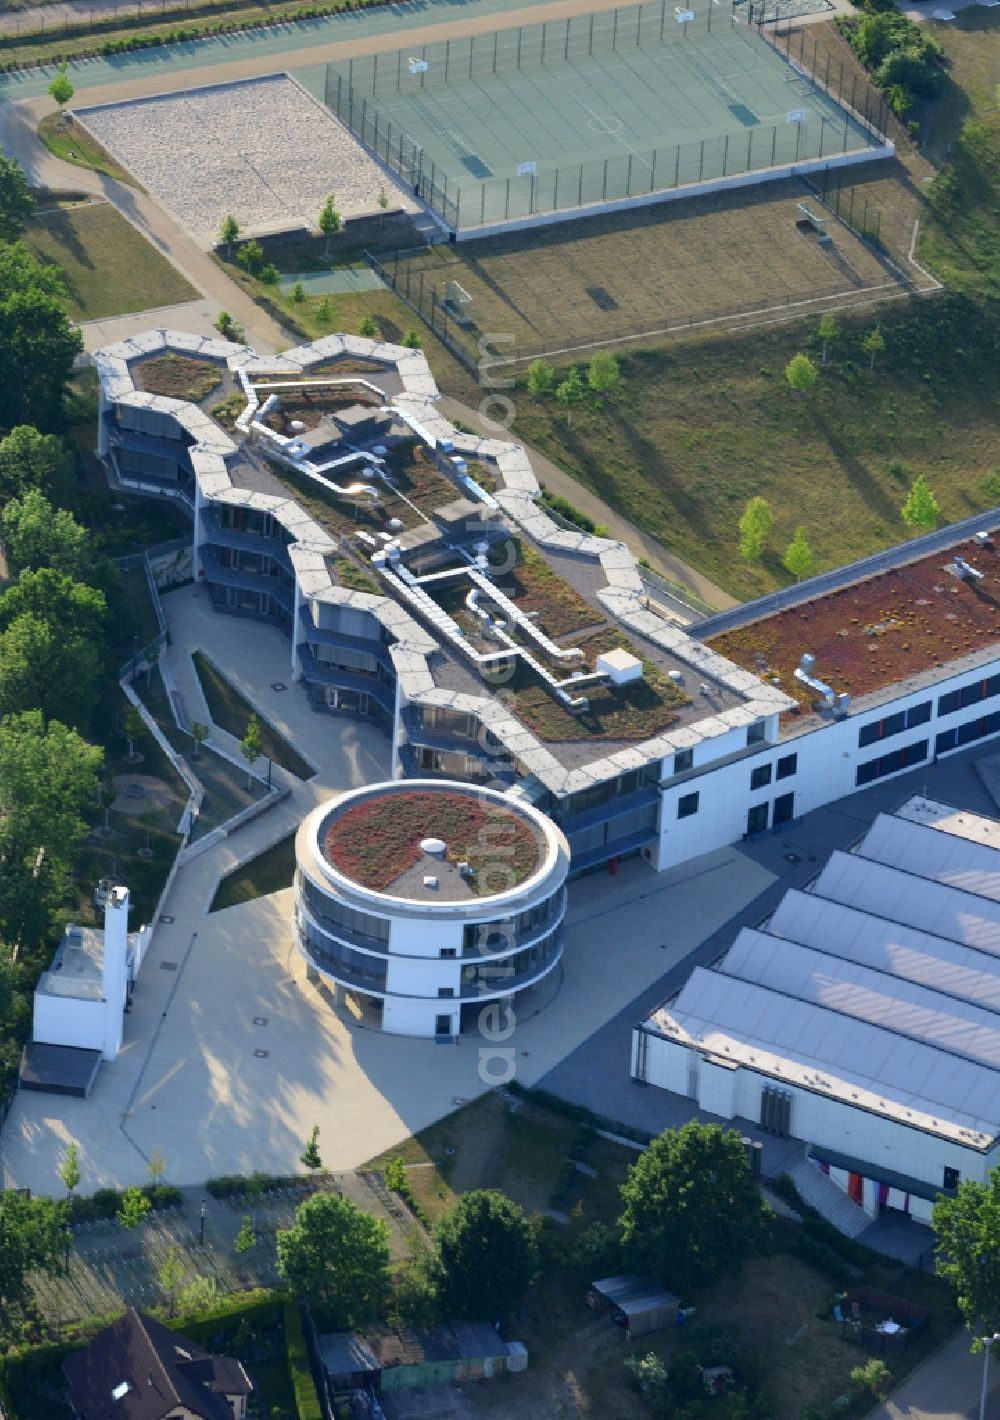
{"x": 430, "y": 881}
{"x": 433, "y": 847}
{"x": 121, "y": 1390}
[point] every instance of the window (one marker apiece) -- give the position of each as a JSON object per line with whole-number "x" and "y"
{"x": 968, "y": 733}
{"x": 683, "y": 761}
{"x": 894, "y": 724}
{"x": 787, "y": 766}
{"x": 891, "y": 763}
{"x": 760, "y": 777}
{"x": 688, "y": 805}
{"x": 969, "y": 695}
{"x": 951, "y": 1179}
{"x": 449, "y": 952}
{"x": 756, "y": 733}
{"x": 444, "y": 991}
{"x": 442, "y": 1025}
{"x": 784, "y": 809}
{"x": 757, "y": 819}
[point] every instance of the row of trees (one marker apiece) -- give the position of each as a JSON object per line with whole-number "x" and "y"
{"x": 603, "y": 377}
{"x": 920, "y": 512}
{"x": 802, "y": 373}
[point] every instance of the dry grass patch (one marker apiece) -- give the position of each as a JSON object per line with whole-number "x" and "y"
{"x": 178, "y": 376}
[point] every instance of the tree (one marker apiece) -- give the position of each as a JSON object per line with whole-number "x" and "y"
{"x": 269, "y": 274}
{"x": 920, "y": 511}
{"x": 51, "y": 647}
{"x": 199, "y": 1293}
{"x": 228, "y": 233}
{"x": 324, "y": 311}
{"x": 967, "y": 1243}
{"x": 33, "y": 461}
{"x": 36, "y": 535}
{"x": 310, "y": 1155}
{"x": 32, "y": 1239}
{"x": 330, "y": 223}
{"x": 411, "y": 340}
{"x": 156, "y": 1166}
{"x": 570, "y": 392}
{"x": 246, "y": 1238}
{"x": 171, "y": 1274}
{"x": 17, "y": 205}
{"x": 69, "y": 1170}
{"x": 338, "y": 1258}
{"x": 541, "y": 378}
{"x": 133, "y": 729}
{"x": 48, "y": 778}
{"x": 798, "y": 557}
{"x": 252, "y": 747}
{"x": 133, "y": 1208}
{"x": 383, "y": 203}
{"x": 666, "y": 1228}
{"x": 368, "y": 328}
{"x": 298, "y": 294}
{"x": 37, "y": 343}
{"x": 755, "y": 527}
{"x": 829, "y": 330}
{"x": 651, "y": 1376}
{"x": 872, "y": 1379}
{"x": 250, "y": 255}
{"x": 485, "y": 1256}
{"x": 199, "y": 733}
{"x": 873, "y": 344}
{"x": 61, "y": 89}
{"x": 230, "y": 329}
{"x": 801, "y": 373}
{"x": 604, "y": 373}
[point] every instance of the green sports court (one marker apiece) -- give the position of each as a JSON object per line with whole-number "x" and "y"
{"x": 620, "y": 105}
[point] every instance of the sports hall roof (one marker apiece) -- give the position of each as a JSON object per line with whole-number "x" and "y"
{"x": 879, "y": 987}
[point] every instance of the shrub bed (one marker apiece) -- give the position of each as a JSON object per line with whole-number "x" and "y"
{"x": 105, "y": 1202}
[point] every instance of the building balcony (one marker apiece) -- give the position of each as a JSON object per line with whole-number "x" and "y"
{"x": 612, "y": 848}
{"x": 318, "y": 673}
{"x": 608, "y": 810}
{"x": 247, "y": 580}
{"x": 220, "y": 536}
{"x": 324, "y": 636}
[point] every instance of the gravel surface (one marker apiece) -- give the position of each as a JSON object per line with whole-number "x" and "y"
{"x": 261, "y": 149}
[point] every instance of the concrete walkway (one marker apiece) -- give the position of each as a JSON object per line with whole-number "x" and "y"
{"x": 19, "y": 139}
{"x": 946, "y": 1387}
{"x": 642, "y": 544}
{"x": 231, "y": 1056}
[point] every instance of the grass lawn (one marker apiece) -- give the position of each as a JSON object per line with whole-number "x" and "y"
{"x": 109, "y": 268}
{"x": 269, "y": 872}
{"x": 695, "y": 432}
{"x": 642, "y": 270}
{"x": 68, "y": 141}
{"x": 225, "y": 784}
{"x": 232, "y": 712}
{"x": 119, "y": 856}
{"x": 486, "y": 1144}
{"x": 178, "y": 376}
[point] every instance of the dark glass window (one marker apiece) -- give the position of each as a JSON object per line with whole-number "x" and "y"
{"x": 760, "y": 777}
{"x": 683, "y": 761}
{"x": 787, "y": 766}
{"x": 891, "y": 763}
{"x": 687, "y": 805}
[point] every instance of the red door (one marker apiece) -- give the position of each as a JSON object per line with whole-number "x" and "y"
{"x": 855, "y": 1188}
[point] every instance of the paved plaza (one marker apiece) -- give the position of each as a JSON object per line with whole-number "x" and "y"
{"x": 231, "y": 1056}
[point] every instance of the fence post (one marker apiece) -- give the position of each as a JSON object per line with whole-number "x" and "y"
{"x": 725, "y": 155}
{"x": 701, "y": 161}
{"x": 496, "y": 40}
{"x": 447, "y": 58}
{"x": 545, "y": 28}
{"x": 614, "y": 34}
{"x": 774, "y": 143}
{"x": 628, "y": 177}
{"x": 604, "y": 194}
{"x": 482, "y": 205}
{"x": 579, "y": 197}
{"x": 663, "y": 17}
{"x": 677, "y": 166}
{"x": 375, "y": 77}
{"x": 566, "y": 44}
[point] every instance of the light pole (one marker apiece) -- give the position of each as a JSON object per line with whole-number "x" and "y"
{"x": 987, "y": 1341}
{"x": 201, "y": 1239}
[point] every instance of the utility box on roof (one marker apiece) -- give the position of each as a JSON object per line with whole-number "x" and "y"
{"x": 619, "y": 666}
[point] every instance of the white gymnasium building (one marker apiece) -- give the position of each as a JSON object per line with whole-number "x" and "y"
{"x": 863, "y": 1017}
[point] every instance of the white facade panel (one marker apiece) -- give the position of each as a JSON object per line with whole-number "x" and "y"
{"x": 67, "y": 1020}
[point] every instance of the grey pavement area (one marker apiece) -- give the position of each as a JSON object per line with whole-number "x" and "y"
{"x": 231, "y": 1056}
{"x": 947, "y": 1386}
{"x": 596, "y": 1074}
{"x": 196, "y": 317}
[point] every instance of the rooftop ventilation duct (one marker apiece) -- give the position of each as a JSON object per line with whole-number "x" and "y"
{"x": 804, "y": 675}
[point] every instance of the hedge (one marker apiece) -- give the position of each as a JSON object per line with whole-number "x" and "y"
{"x": 299, "y": 1370}
{"x": 105, "y": 1202}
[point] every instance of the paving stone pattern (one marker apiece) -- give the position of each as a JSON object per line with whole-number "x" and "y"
{"x": 261, "y": 149}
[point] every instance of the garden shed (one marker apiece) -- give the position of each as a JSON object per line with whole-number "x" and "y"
{"x": 636, "y": 1304}
{"x": 387, "y": 1358}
